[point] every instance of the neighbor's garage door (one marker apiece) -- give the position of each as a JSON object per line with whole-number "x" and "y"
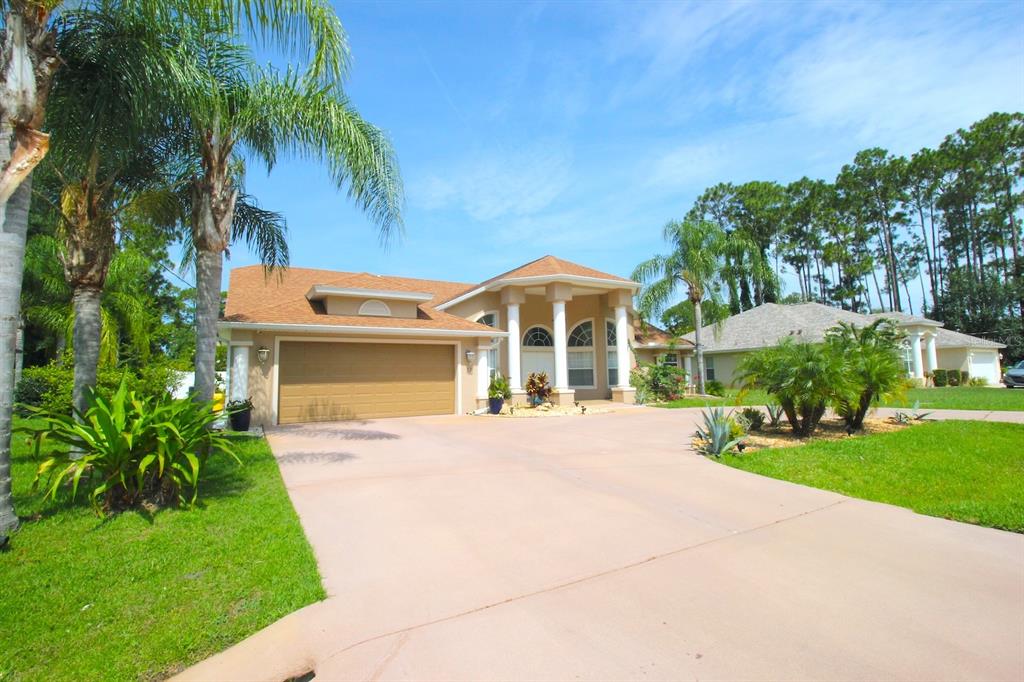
{"x": 983, "y": 365}
{"x": 329, "y": 381}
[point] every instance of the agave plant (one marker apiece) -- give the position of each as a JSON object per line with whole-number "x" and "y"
{"x": 774, "y": 411}
{"x": 720, "y": 433}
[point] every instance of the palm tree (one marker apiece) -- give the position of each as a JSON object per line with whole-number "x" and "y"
{"x": 259, "y": 113}
{"x": 28, "y": 60}
{"x": 876, "y": 368}
{"x": 694, "y": 262}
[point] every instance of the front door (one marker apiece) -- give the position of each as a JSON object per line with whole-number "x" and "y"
{"x": 538, "y": 360}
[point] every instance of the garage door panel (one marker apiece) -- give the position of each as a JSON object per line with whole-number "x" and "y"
{"x": 333, "y": 381}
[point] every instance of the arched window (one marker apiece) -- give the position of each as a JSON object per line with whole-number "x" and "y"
{"x": 375, "y": 307}
{"x": 613, "y": 356}
{"x": 581, "y": 357}
{"x": 489, "y": 319}
{"x": 538, "y": 336}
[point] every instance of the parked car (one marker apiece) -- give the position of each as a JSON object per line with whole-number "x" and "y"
{"x": 1014, "y": 376}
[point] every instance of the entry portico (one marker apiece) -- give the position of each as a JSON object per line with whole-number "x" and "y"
{"x": 566, "y": 320}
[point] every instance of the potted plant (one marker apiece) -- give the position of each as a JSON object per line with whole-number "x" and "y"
{"x": 240, "y": 414}
{"x": 537, "y": 387}
{"x": 498, "y": 392}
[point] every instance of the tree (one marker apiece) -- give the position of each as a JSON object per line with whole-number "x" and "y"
{"x": 873, "y": 361}
{"x": 679, "y": 319}
{"x": 259, "y": 113}
{"x": 694, "y": 263}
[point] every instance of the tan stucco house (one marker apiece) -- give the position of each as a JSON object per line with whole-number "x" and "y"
{"x": 929, "y": 344}
{"x": 318, "y": 345}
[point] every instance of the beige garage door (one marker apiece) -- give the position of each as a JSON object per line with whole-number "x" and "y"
{"x": 329, "y": 381}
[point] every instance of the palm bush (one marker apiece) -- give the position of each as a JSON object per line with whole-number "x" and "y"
{"x": 803, "y": 377}
{"x": 128, "y": 449}
{"x": 874, "y": 365}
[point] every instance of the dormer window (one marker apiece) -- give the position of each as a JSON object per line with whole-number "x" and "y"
{"x": 375, "y": 307}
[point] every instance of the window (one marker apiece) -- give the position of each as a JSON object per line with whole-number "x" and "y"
{"x": 538, "y": 336}
{"x": 670, "y": 359}
{"x": 491, "y": 320}
{"x": 709, "y": 368}
{"x": 613, "y": 355}
{"x": 375, "y": 307}
{"x": 581, "y": 355}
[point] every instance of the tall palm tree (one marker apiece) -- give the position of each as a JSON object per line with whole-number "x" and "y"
{"x": 694, "y": 262}
{"x": 246, "y": 112}
{"x": 28, "y": 59}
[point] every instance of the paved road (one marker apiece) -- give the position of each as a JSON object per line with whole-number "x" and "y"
{"x": 599, "y": 547}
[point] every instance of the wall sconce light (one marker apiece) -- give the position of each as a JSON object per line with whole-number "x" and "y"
{"x": 262, "y": 353}
{"x": 470, "y": 356}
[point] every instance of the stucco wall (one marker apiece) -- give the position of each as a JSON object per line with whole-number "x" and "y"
{"x": 344, "y": 305}
{"x": 260, "y": 377}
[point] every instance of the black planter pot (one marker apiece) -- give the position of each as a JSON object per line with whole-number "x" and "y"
{"x": 495, "y": 404}
{"x": 240, "y": 420}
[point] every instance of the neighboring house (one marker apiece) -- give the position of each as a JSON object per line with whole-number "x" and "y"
{"x": 652, "y": 345}
{"x": 316, "y": 345}
{"x": 929, "y": 346}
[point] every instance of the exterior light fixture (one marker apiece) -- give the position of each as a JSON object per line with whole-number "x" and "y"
{"x": 470, "y": 356}
{"x": 262, "y": 353}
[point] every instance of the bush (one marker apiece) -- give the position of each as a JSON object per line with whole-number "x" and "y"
{"x": 128, "y": 448}
{"x": 940, "y": 378}
{"x": 979, "y": 381}
{"x": 752, "y": 417}
{"x": 965, "y": 378}
{"x": 537, "y": 387}
{"x": 873, "y": 366}
{"x": 658, "y": 382}
{"x": 499, "y": 388}
{"x": 952, "y": 377}
{"x": 714, "y": 388}
{"x": 49, "y": 387}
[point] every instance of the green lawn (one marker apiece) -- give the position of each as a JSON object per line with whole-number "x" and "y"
{"x": 138, "y": 596}
{"x": 963, "y": 470}
{"x": 964, "y": 398}
{"x": 732, "y": 397}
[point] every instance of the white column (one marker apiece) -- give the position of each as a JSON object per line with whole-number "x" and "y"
{"x": 483, "y": 374}
{"x": 622, "y": 345}
{"x": 932, "y": 357}
{"x": 688, "y": 366}
{"x": 561, "y": 347}
{"x": 239, "y": 375}
{"x": 915, "y": 355}
{"x": 515, "y": 379}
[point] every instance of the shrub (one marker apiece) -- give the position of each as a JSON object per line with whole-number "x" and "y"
{"x": 499, "y": 388}
{"x": 752, "y": 417}
{"x": 952, "y": 377}
{"x": 128, "y": 448}
{"x": 965, "y": 378}
{"x": 872, "y": 364}
{"x": 979, "y": 381}
{"x": 714, "y": 388}
{"x": 720, "y": 432}
{"x": 49, "y": 387}
{"x": 537, "y": 387}
{"x": 659, "y": 382}
{"x": 940, "y": 378}
{"x": 803, "y": 377}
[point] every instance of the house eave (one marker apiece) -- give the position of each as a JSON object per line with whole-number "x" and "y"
{"x": 350, "y": 330}
{"x": 319, "y": 291}
{"x": 533, "y": 280}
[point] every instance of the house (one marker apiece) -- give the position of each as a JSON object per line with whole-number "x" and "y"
{"x": 929, "y": 345}
{"x": 318, "y": 345}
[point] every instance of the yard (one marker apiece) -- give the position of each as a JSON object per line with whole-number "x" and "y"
{"x": 948, "y": 398}
{"x": 139, "y": 596}
{"x": 962, "y": 470}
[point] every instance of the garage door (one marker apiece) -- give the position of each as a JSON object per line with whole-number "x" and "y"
{"x": 983, "y": 365}
{"x": 331, "y": 381}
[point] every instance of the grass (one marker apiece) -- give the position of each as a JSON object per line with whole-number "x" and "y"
{"x": 732, "y": 397}
{"x": 139, "y": 596}
{"x": 963, "y": 398}
{"x": 962, "y": 470}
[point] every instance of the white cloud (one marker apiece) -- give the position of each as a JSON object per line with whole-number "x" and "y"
{"x": 498, "y": 183}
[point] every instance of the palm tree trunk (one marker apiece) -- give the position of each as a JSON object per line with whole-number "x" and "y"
{"x": 19, "y": 351}
{"x": 209, "y": 268}
{"x": 698, "y": 343}
{"x": 86, "y": 340}
{"x": 12, "y": 254}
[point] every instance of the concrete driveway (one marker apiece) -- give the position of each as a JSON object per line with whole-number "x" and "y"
{"x": 600, "y": 547}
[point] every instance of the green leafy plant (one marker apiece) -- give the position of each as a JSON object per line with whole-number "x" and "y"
{"x": 659, "y": 382}
{"x": 49, "y": 386}
{"x": 940, "y": 378}
{"x": 239, "y": 405}
{"x": 127, "y": 448}
{"x": 774, "y": 411}
{"x": 915, "y": 414}
{"x": 499, "y": 388}
{"x": 714, "y": 388}
{"x": 752, "y": 417}
{"x": 538, "y": 387}
{"x": 720, "y": 432}
{"x": 873, "y": 367}
{"x": 978, "y": 381}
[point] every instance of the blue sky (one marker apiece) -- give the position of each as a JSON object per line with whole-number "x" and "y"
{"x": 579, "y": 129}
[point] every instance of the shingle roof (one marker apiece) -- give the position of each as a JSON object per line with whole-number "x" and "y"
{"x": 649, "y": 335}
{"x": 769, "y": 323}
{"x": 545, "y": 266}
{"x": 280, "y": 298}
